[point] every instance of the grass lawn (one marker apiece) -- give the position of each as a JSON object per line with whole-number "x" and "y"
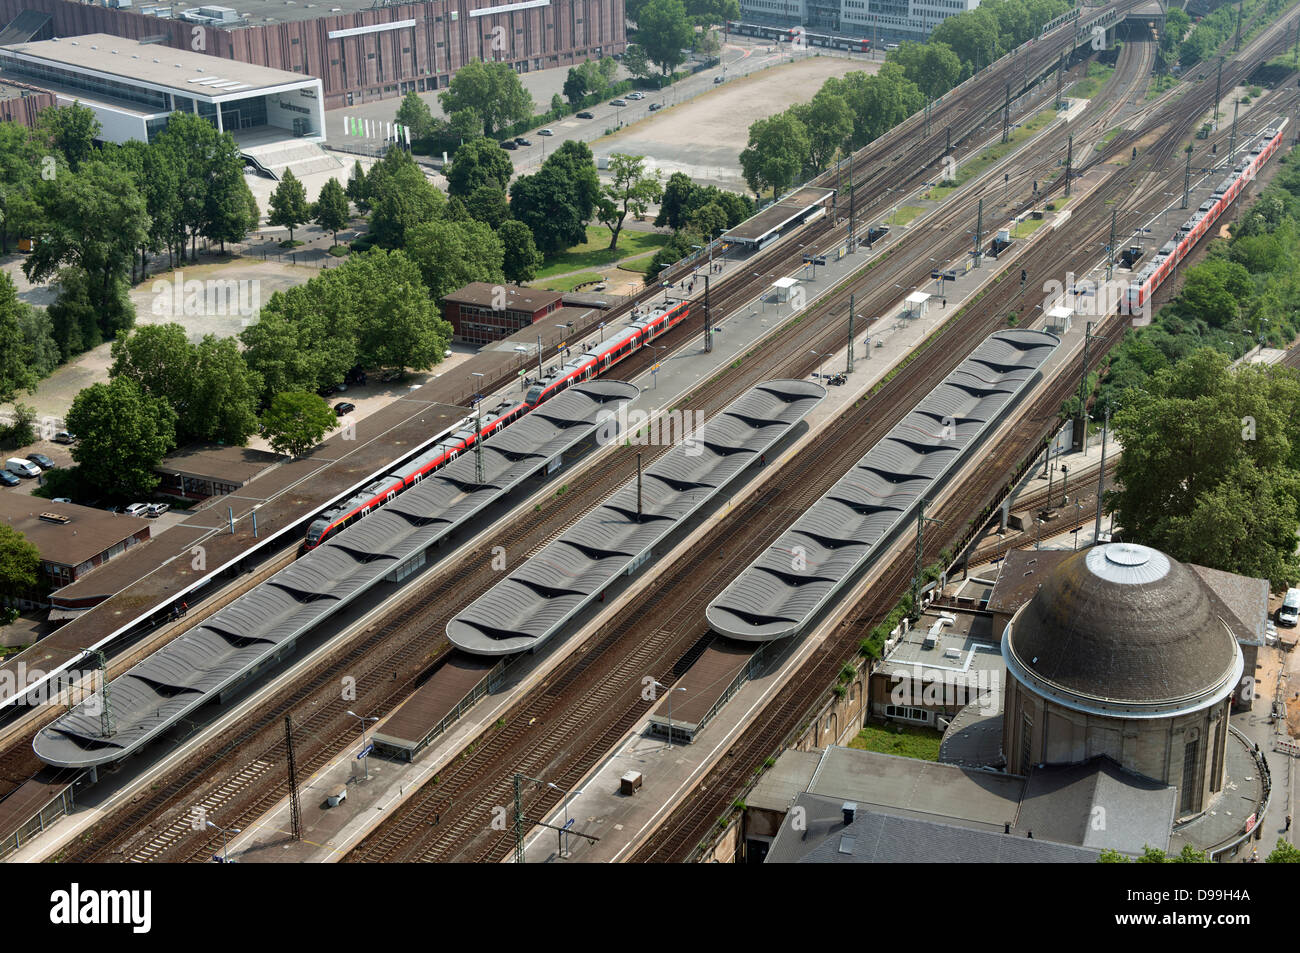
{"x": 913, "y": 741}
{"x": 570, "y": 282}
{"x": 1097, "y": 76}
{"x": 970, "y": 168}
{"x": 905, "y": 215}
{"x": 1105, "y": 140}
{"x": 595, "y": 253}
{"x": 639, "y": 265}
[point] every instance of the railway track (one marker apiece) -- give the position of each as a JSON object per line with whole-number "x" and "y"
{"x": 410, "y": 648}
{"x": 462, "y": 802}
{"x": 417, "y": 651}
{"x": 686, "y": 831}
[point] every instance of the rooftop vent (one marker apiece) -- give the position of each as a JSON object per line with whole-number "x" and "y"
{"x": 850, "y": 811}
{"x": 55, "y": 518}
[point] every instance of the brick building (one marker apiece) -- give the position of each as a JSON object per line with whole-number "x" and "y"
{"x": 359, "y": 49}
{"x": 479, "y": 315}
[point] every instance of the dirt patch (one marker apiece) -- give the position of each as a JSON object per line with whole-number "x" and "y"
{"x": 704, "y": 137}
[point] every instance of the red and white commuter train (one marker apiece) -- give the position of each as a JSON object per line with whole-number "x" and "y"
{"x": 1162, "y": 264}
{"x": 588, "y": 364}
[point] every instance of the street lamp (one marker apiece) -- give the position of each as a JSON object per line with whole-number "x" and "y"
{"x": 225, "y": 850}
{"x": 365, "y": 755}
{"x": 569, "y": 795}
{"x": 822, "y": 365}
{"x": 477, "y": 395}
{"x": 670, "y": 691}
{"x": 654, "y": 369}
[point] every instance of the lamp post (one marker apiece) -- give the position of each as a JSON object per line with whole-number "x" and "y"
{"x": 225, "y": 850}
{"x": 568, "y": 796}
{"x": 365, "y": 757}
{"x": 670, "y": 691}
{"x": 821, "y": 366}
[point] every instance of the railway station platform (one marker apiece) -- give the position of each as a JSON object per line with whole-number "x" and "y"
{"x": 717, "y": 674}
{"x": 456, "y": 684}
{"x": 193, "y": 561}
{"x": 35, "y": 805}
{"x": 795, "y": 209}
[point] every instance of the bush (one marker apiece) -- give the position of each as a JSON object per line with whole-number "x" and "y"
{"x": 21, "y": 432}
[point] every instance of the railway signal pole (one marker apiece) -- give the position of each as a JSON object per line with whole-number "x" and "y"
{"x": 1187, "y": 173}
{"x": 519, "y": 814}
{"x": 105, "y": 712}
{"x": 1110, "y": 251}
{"x": 1101, "y": 477}
{"x": 1083, "y": 385}
{"x": 708, "y": 314}
{"x": 921, "y": 520}
{"x": 979, "y": 232}
{"x": 1006, "y": 116}
{"x": 295, "y": 813}
{"x": 1060, "y": 74}
{"x": 1218, "y": 92}
{"x": 849, "y": 369}
{"x": 1069, "y": 162}
{"x": 1232, "y": 135}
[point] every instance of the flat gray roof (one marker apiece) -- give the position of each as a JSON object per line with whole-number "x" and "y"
{"x": 795, "y": 578}
{"x": 536, "y": 600}
{"x": 778, "y": 215}
{"x": 192, "y": 668}
{"x": 182, "y": 71}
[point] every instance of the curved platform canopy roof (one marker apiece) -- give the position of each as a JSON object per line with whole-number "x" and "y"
{"x": 535, "y": 601}
{"x": 797, "y": 576}
{"x": 236, "y": 639}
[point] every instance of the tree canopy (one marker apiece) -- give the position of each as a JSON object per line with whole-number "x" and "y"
{"x": 492, "y": 90}
{"x": 123, "y": 434}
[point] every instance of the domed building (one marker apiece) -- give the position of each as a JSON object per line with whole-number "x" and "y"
{"x": 1123, "y": 652}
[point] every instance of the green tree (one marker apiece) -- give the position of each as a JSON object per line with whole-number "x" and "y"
{"x": 479, "y": 162}
{"x": 1283, "y": 853}
{"x": 451, "y": 255}
{"x": 296, "y": 421}
{"x": 415, "y": 114}
{"x": 933, "y": 66}
{"x": 92, "y": 221}
{"x": 221, "y": 404}
{"x": 123, "y": 434}
{"x": 158, "y": 358}
{"x": 632, "y": 189}
{"x": 829, "y": 122}
{"x": 72, "y": 130}
{"x": 16, "y": 369}
{"x": 492, "y": 90}
{"x": 289, "y": 206}
{"x": 575, "y": 86}
{"x": 779, "y": 148}
{"x": 356, "y": 189}
{"x": 636, "y": 62}
{"x": 487, "y": 204}
{"x": 664, "y": 31}
{"x": 1209, "y": 470}
{"x": 332, "y": 211}
{"x": 400, "y": 196}
{"x": 20, "y": 166}
{"x": 397, "y": 323}
{"x": 20, "y": 563}
{"x": 209, "y": 180}
{"x": 558, "y": 201}
{"x": 712, "y": 12}
{"x": 521, "y": 259}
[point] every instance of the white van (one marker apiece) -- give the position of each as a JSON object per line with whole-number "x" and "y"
{"x": 1289, "y": 614}
{"x": 22, "y": 468}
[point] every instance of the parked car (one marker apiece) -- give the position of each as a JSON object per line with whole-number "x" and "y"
{"x": 344, "y": 407}
{"x": 22, "y": 468}
{"x": 618, "y": 102}
{"x": 636, "y": 95}
{"x": 1289, "y": 614}
{"x": 545, "y": 132}
{"x": 586, "y": 115}
{"x": 655, "y": 107}
{"x": 155, "y": 510}
{"x": 509, "y": 144}
{"x": 328, "y": 391}
{"x": 41, "y": 460}
{"x": 719, "y": 79}
{"x": 64, "y": 437}
{"x": 521, "y": 141}
{"x": 8, "y": 479}
{"x": 63, "y": 499}
{"x": 136, "y": 509}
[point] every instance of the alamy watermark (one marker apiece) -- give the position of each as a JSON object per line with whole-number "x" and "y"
{"x": 641, "y": 429}
{"x": 216, "y": 297}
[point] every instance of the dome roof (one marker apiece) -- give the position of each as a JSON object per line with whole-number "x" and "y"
{"x": 1125, "y": 628}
